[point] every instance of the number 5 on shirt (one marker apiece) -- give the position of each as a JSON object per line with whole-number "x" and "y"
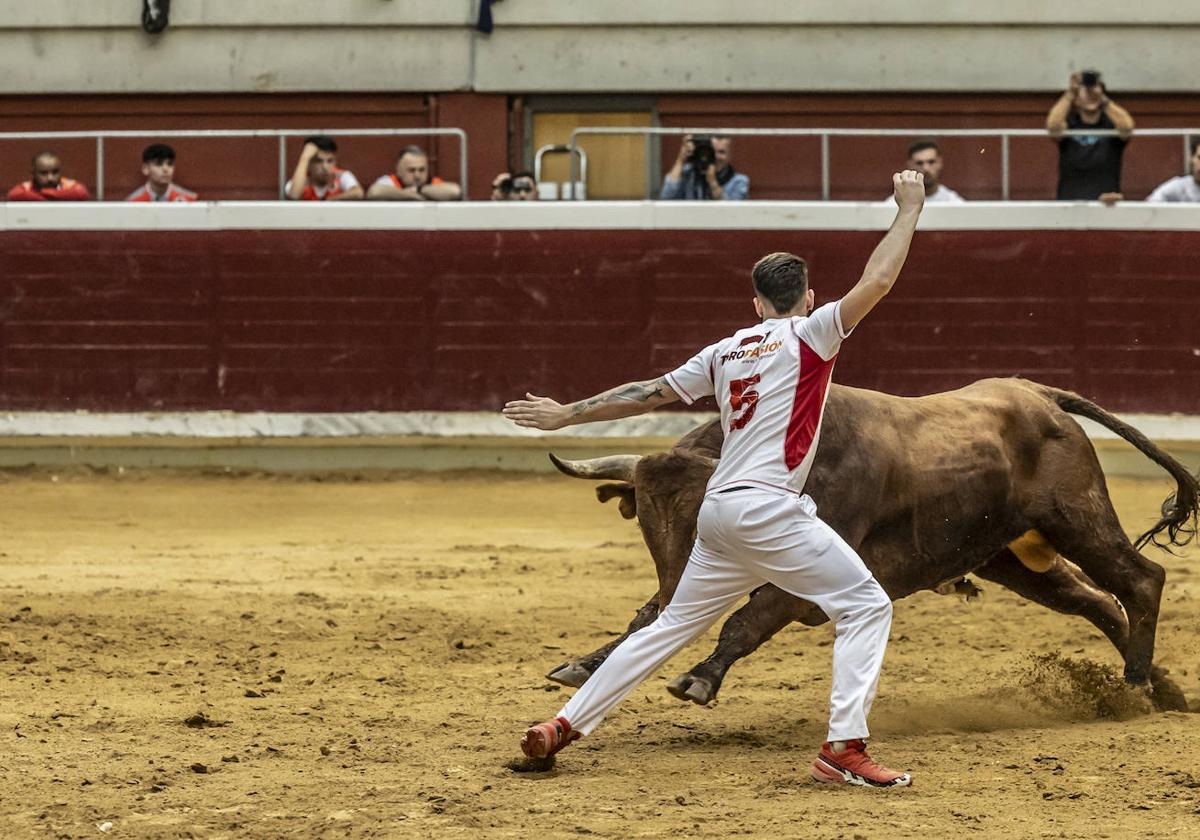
{"x": 742, "y": 398}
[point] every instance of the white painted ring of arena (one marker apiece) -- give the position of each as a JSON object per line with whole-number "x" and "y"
{"x": 422, "y": 441}
{"x": 594, "y": 215}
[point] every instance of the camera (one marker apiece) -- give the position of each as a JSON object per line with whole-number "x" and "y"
{"x": 703, "y": 154}
{"x": 520, "y": 182}
{"x": 1089, "y": 78}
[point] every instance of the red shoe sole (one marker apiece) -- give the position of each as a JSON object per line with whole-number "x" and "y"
{"x": 823, "y": 773}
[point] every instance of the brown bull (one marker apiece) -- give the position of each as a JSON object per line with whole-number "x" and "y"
{"x": 929, "y": 489}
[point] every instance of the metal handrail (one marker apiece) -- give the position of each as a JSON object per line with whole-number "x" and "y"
{"x": 559, "y": 148}
{"x": 281, "y": 133}
{"x": 825, "y": 133}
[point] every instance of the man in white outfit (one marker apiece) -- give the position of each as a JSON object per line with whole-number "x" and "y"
{"x": 925, "y": 156}
{"x": 755, "y": 525}
{"x": 1181, "y": 187}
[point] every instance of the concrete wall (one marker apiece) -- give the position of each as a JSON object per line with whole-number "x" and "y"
{"x": 612, "y": 46}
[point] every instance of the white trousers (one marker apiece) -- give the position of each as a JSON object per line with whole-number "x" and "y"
{"x": 746, "y": 538}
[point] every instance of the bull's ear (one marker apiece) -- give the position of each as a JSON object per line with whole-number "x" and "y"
{"x": 628, "y": 495}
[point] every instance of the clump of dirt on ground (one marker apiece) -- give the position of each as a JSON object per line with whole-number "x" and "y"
{"x": 1083, "y": 688}
{"x": 530, "y": 765}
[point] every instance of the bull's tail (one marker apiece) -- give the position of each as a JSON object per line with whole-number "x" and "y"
{"x": 1181, "y": 508}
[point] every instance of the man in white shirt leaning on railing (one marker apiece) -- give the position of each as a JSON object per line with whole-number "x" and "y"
{"x": 1181, "y": 187}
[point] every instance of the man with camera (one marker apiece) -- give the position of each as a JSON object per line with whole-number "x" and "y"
{"x": 518, "y": 186}
{"x": 1089, "y": 168}
{"x": 703, "y": 172}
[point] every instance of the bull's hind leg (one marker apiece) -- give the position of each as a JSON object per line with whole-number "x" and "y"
{"x": 1065, "y": 589}
{"x": 1090, "y": 536}
{"x": 1062, "y": 589}
{"x": 575, "y": 672}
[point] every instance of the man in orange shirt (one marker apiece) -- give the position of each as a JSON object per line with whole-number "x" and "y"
{"x": 412, "y": 182}
{"x": 48, "y": 184}
{"x": 317, "y": 176}
{"x": 158, "y": 165}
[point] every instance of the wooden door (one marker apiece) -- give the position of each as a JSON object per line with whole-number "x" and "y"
{"x": 616, "y": 164}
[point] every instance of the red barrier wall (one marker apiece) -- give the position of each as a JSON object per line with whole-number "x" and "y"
{"x": 419, "y": 320}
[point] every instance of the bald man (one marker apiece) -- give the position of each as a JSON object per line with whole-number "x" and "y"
{"x": 47, "y": 183}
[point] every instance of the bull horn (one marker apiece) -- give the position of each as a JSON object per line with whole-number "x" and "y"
{"x": 618, "y": 467}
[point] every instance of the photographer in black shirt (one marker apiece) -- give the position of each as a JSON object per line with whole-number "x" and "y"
{"x": 1089, "y": 168}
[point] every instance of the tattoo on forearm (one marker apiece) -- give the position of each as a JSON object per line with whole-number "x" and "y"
{"x": 633, "y": 392}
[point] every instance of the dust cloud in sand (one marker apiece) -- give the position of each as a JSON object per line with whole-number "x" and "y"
{"x": 260, "y": 657}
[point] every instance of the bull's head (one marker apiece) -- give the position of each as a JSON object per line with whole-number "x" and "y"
{"x": 664, "y": 492}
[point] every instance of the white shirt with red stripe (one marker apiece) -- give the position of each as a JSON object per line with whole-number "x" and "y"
{"x": 771, "y": 381}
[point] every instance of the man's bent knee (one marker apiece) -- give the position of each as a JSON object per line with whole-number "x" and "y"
{"x": 884, "y": 607}
{"x": 866, "y": 599}
{"x": 880, "y": 602}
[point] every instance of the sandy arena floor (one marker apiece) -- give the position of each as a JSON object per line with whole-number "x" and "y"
{"x": 365, "y": 655}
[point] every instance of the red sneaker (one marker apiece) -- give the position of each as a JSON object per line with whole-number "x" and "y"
{"x": 545, "y": 739}
{"x": 852, "y": 766}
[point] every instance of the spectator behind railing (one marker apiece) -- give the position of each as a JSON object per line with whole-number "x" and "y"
{"x": 1089, "y": 168}
{"x": 158, "y": 165}
{"x": 519, "y": 186}
{"x": 703, "y": 171}
{"x": 317, "y": 176}
{"x": 1181, "y": 187}
{"x": 925, "y": 157}
{"x": 47, "y": 183}
{"x": 412, "y": 181}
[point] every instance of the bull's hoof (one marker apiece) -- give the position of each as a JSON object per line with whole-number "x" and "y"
{"x": 570, "y": 674}
{"x": 1136, "y": 675}
{"x": 1164, "y": 693}
{"x": 696, "y": 689}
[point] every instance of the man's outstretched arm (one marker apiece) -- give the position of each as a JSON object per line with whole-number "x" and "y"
{"x": 623, "y": 401}
{"x": 889, "y": 255}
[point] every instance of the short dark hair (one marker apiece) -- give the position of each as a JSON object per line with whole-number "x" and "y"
{"x": 523, "y": 173}
{"x": 923, "y": 144}
{"x": 1193, "y": 143}
{"x": 782, "y": 279}
{"x": 323, "y": 142}
{"x": 412, "y": 149}
{"x": 158, "y": 152}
